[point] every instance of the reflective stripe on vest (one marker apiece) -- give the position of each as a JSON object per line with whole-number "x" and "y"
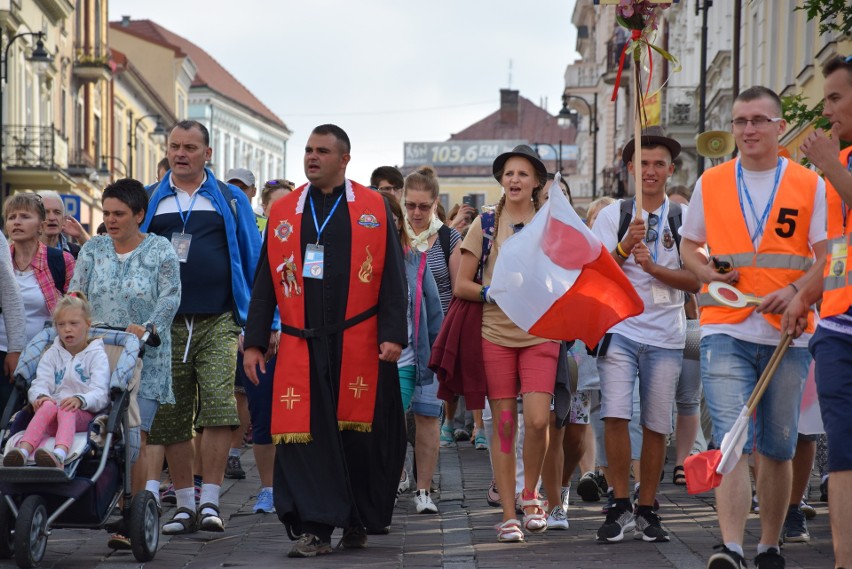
{"x": 768, "y": 261}
{"x": 837, "y": 279}
{"x": 784, "y": 253}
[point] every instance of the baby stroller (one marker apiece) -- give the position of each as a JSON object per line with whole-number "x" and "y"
{"x": 35, "y": 500}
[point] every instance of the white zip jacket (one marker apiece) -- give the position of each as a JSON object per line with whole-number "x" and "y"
{"x": 61, "y": 375}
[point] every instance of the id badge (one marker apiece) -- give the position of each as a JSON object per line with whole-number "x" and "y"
{"x": 313, "y": 266}
{"x": 661, "y": 293}
{"x": 181, "y": 241}
{"x": 839, "y": 253}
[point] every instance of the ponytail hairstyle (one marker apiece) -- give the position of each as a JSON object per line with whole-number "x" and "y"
{"x": 74, "y": 299}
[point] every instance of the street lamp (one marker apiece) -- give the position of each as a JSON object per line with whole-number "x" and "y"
{"x": 104, "y": 172}
{"x": 566, "y": 113}
{"x": 40, "y": 58}
{"x": 159, "y": 131}
{"x": 557, "y": 152}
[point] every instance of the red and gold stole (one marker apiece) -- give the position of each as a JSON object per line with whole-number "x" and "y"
{"x": 359, "y": 370}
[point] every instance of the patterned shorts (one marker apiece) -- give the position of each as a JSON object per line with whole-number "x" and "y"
{"x": 581, "y": 403}
{"x": 204, "y": 385}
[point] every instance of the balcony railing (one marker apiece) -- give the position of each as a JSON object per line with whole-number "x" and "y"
{"x": 34, "y": 147}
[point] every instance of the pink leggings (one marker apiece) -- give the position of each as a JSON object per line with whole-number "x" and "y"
{"x": 50, "y": 420}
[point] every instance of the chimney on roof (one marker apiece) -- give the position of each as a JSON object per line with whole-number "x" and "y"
{"x": 125, "y": 21}
{"x": 509, "y": 107}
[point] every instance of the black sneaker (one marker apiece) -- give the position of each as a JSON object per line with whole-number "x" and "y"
{"x": 234, "y": 469}
{"x": 618, "y": 521}
{"x": 648, "y": 527}
{"x": 724, "y": 558}
{"x": 588, "y": 489}
{"x": 795, "y": 526}
{"x": 770, "y": 560}
{"x": 610, "y": 502}
{"x": 309, "y": 545}
{"x": 823, "y": 490}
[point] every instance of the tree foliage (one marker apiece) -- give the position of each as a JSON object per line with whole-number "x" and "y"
{"x": 797, "y": 113}
{"x": 833, "y": 15}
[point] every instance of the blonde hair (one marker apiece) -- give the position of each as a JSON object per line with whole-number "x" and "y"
{"x": 596, "y": 206}
{"x": 74, "y": 299}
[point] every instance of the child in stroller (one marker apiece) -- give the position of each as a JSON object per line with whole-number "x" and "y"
{"x": 71, "y": 385}
{"x": 96, "y": 475}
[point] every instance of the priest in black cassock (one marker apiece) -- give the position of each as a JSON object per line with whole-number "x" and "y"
{"x": 332, "y": 264}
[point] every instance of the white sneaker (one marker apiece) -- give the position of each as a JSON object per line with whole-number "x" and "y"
{"x": 423, "y": 503}
{"x": 557, "y": 519}
{"x": 404, "y": 484}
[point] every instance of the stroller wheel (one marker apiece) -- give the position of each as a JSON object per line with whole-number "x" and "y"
{"x": 7, "y": 526}
{"x": 31, "y": 532}
{"x": 144, "y": 526}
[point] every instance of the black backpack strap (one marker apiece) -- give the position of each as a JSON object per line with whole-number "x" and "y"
{"x": 675, "y": 221}
{"x": 626, "y": 218}
{"x": 56, "y": 264}
{"x": 488, "y": 237}
{"x": 444, "y": 238}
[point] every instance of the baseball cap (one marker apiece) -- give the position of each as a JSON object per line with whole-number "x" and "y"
{"x": 242, "y": 174}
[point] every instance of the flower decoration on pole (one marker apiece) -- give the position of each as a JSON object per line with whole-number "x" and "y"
{"x": 640, "y": 17}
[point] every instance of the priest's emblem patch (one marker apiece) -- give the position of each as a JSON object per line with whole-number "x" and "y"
{"x": 284, "y": 230}
{"x": 289, "y": 284}
{"x": 368, "y": 220}
{"x": 365, "y": 273}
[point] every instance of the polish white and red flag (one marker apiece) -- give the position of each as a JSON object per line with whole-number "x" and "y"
{"x": 556, "y": 280}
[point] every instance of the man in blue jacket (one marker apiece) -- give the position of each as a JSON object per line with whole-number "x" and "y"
{"x": 211, "y": 226}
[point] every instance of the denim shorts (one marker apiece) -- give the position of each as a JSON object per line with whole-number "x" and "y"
{"x": 425, "y": 400}
{"x": 832, "y": 352}
{"x": 658, "y": 370}
{"x": 147, "y": 412}
{"x": 730, "y": 369}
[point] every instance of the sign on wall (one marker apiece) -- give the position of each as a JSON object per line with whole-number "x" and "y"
{"x": 457, "y": 152}
{"x": 72, "y": 205}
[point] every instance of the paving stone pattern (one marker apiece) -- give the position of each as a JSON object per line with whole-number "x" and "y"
{"x": 461, "y": 536}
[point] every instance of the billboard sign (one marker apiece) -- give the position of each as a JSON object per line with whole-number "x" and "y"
{"x": 457, "y": 152}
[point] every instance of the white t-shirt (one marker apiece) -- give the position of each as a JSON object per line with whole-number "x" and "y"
{"x": 755, "y": 328}
{"x": 663, "y": 322}
{"x": 35, "y": 309}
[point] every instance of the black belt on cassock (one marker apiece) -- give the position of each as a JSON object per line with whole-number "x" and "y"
{"x": 329, "y": 329}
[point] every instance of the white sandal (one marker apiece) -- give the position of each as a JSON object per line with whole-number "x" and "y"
{"x": 537, "y": 522}
{"x": 509, "y": 531}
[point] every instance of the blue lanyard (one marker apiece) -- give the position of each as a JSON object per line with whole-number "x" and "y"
{"x": 324, "y": 223}
{"x": 742, "y": 189}
{"x": 659, "y": 230}
{"x": 185, "y": 218}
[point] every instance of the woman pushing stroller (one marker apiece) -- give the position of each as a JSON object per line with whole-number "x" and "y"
{"x": 70, "y": 387}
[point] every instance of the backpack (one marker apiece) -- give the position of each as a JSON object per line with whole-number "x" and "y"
{"x": 488, "y": 229}
{"x": 444, "y": 238}
{"x": 56, "y": 264}
{"x": 675, "y": 219}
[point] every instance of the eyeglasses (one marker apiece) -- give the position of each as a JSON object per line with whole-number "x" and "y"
{"x": 424, "y": 207}
{"x": 651, "y": 234}
{"x": 756, "y": 122}
{"x": 388, "y": 189}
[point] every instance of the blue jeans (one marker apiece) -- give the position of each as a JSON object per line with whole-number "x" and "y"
{"x": 730, "y": 369}
{"x": 833, "y": 354}
{"x": 658, "y": 370}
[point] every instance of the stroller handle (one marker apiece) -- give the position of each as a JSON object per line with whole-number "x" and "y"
{"x": 149, "y": 338}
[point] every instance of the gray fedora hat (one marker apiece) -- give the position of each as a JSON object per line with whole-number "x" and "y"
{"x": 651, "y": 136}
{"x": 523, "y": 151}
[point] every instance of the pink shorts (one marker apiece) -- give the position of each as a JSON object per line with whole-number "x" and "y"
{"x": 509, "y": 371}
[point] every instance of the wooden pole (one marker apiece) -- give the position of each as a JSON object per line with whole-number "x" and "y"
{"x": 637, "y": 135}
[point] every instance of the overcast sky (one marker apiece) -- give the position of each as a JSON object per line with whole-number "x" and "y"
{"x": 386, "y": 71}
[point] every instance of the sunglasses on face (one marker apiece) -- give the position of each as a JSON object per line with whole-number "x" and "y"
{"x": 423, "y": 207}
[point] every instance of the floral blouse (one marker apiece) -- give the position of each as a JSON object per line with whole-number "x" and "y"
{"x": 142, "y": 288}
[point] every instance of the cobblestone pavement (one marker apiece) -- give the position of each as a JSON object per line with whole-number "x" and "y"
{"x": 460, "y": 537}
